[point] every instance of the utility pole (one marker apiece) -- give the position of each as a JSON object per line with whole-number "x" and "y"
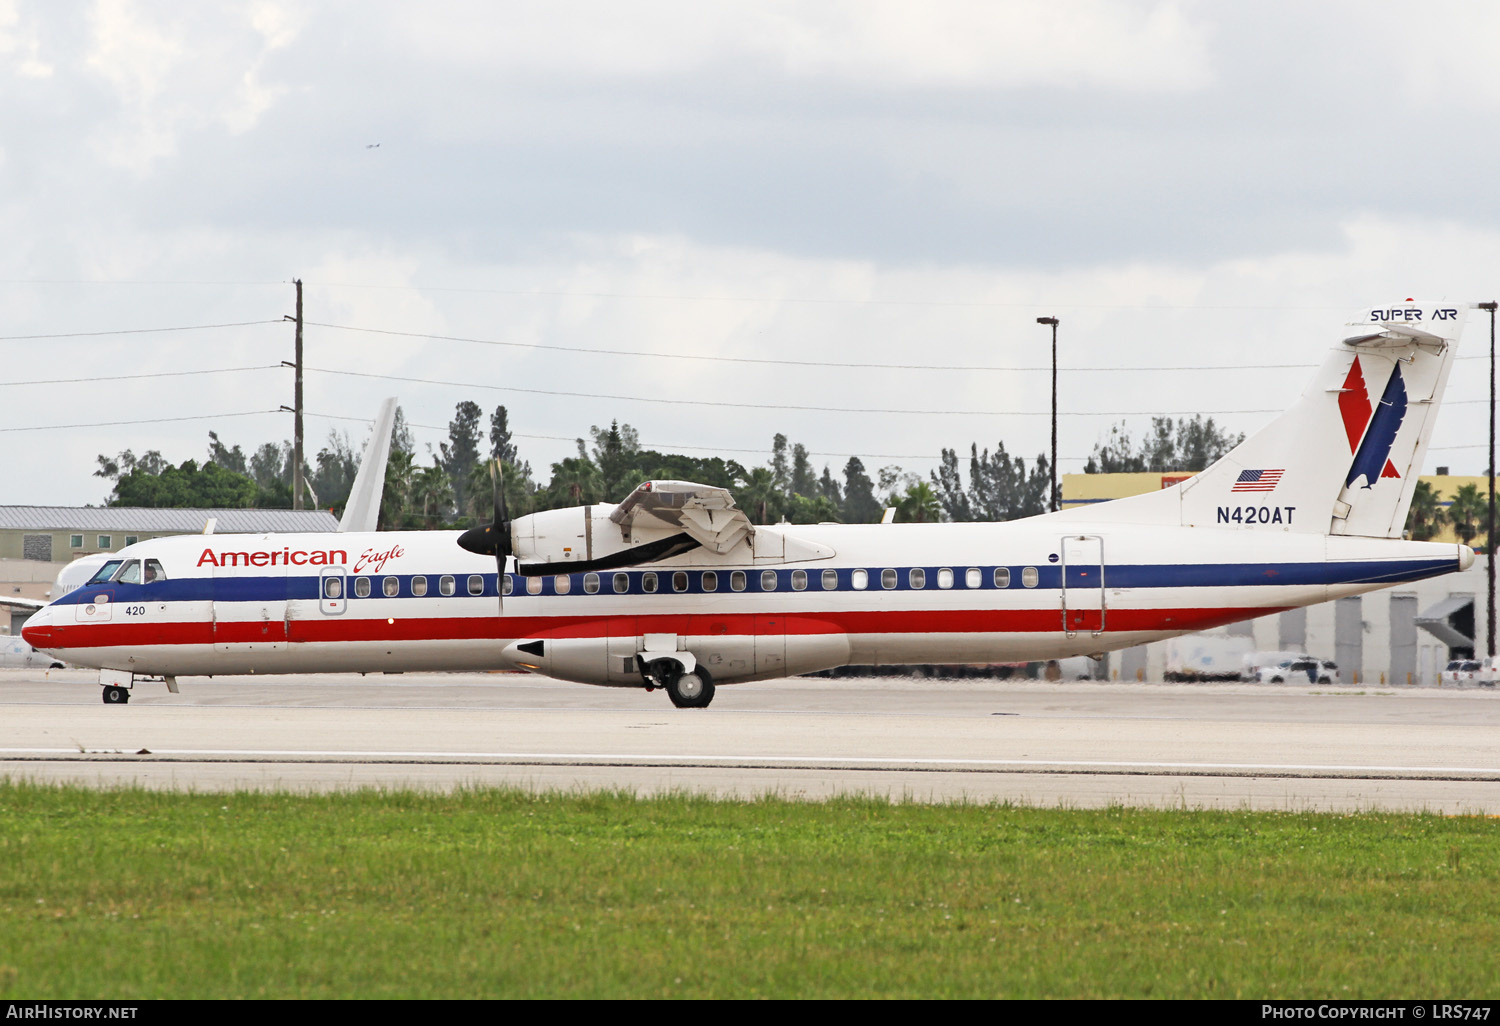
{"x": 1489, "y": 538}
{"x": 1053, "y": 497}
{"x": 298, "y": 486}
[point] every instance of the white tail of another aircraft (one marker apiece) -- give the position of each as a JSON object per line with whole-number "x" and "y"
{"x": 1344, "y": 459}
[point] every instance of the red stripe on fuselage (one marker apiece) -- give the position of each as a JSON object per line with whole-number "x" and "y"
{"x": 490, "y": 628}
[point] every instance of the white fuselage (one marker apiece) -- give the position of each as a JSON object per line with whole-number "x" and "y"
{"x": 1043, "y": 588}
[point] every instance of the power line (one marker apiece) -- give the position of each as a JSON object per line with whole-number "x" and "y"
{"x": 666, "y": 447}
{"x": 134, "y": 331}
{"x": 795, "y": 363}
{"x": 816, "y": 300}
{"x": 771, "y": 406}
{"x": 124, "y": 423}
{"x": 125, "y": 281}
{"x": 133, "y": 377}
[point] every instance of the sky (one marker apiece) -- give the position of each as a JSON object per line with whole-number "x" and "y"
{"x": 717, "y": 221}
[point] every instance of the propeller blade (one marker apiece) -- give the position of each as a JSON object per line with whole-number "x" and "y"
{"x": 502, "y": 529}
{"x": 494, "y": 538}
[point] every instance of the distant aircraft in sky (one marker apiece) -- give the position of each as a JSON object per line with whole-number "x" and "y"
{"x": 675, "y": 588}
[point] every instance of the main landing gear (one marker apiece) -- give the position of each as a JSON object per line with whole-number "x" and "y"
{"x": 688, "y": 689}
{"x": 115, "y": 696}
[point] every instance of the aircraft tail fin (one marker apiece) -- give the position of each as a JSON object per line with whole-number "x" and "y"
{"x": 362, "y": 511}
{"x": 1345, "y": 458}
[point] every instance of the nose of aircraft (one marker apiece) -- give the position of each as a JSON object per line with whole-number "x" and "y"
{"x": 37, "y": 630}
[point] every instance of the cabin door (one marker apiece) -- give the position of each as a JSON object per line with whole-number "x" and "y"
{"x": 1083, "y": 583}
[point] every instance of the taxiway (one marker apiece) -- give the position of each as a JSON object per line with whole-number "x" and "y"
{"x": 1075, "y": 744}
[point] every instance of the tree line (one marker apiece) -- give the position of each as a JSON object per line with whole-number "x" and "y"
{"x": 449, "y": 485}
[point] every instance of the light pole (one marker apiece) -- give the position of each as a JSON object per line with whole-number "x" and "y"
{"x": 1053, "y": 496}
{"x": 1489, "y": 538}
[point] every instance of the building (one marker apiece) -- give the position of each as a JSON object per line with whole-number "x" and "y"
{"x": 1401, "y": 635}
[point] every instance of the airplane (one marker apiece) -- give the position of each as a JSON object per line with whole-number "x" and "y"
{"x": 674, "y": 587}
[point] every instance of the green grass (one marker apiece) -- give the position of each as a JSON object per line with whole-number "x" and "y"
{"x": 502, "y": 893}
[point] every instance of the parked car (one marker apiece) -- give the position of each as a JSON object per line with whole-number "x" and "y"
{"x": 1467, "y": 671}
{"x": 1252, "y": 665}
{"x": 1314, "y": 671}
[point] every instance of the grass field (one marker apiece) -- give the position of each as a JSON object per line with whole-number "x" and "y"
{"x": 499, "y": 893}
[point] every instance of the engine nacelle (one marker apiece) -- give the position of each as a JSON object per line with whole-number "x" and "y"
{"x": 618, "y": 661}
{"x": 574, "y": 534}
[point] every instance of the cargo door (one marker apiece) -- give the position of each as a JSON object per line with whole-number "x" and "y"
{"x": 249, "y": 609}
{"x": 770, "y": 645}
{"x": 1083, "y": 583}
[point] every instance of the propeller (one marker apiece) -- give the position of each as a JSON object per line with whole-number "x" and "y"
{"x": 494, "y": 538}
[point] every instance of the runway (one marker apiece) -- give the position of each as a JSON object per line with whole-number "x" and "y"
{"x": 1073, "y": 744}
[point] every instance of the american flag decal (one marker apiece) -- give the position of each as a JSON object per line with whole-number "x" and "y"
{"x": 1257, "y": 481}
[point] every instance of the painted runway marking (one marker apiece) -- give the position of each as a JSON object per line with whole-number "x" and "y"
{"x": 751, "y": 761}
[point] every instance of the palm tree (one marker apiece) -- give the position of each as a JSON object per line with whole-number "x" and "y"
{"x": 920, "y": 505}
{"x": 432, "y": 490}
{"x": 1427, "y": 516}
{"x": 758, "y": 490}
{"x": 576, "y": 481}
{"x": 1466, "y": 510}
{"x": 395, "y": 501}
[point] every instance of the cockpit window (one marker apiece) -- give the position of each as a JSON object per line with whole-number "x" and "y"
{"x": 130, "y": 573}
{"x": 154, "y": 572}
{"x": 106, "y": 572}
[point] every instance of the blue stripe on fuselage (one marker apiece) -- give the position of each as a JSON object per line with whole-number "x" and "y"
{"x": 1049, "y": 577}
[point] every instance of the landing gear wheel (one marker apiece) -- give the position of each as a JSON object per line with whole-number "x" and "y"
{"x": 116, "y": 696}
{"x": 692, "y": 690}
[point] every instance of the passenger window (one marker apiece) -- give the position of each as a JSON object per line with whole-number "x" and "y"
{"x": 799, "y": 580}
{"x": 591, "y": 584}
{"x": 333, "y": 587}
{"x": 446, "y": 585}
{"x": 391, "y": 587}
{"x": 106, "y": 572}
{"x": 887, "y": 579}
{"x": 830, "y": 580}
{"x": 917, "y": 577}
{"x": 648, "y": 582}
{"x": 507, "y": 585}
{"x": 710, "y": 581}
{"x": 768, "y": 580}
{"x": 562, "y": 584}
{"x": 973, "y": 578}
{"x": 154, "y": 572}
{"x": 361, "y": 587}
{"x": 1029, "y": 577}
{"x": 476, "y": 584}
{"x": 1002, "y": 576}
{"x": 679, "y": 581}
{"x": 737, "y": 581}
{"x": 945, "y": 578}
{"x": 130, "y": 573}
{"x": 860, "y": 580}
{"x": 419, "y": 586}
{"x": 622, "y": 583}
{"x": 533, "y": 585}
